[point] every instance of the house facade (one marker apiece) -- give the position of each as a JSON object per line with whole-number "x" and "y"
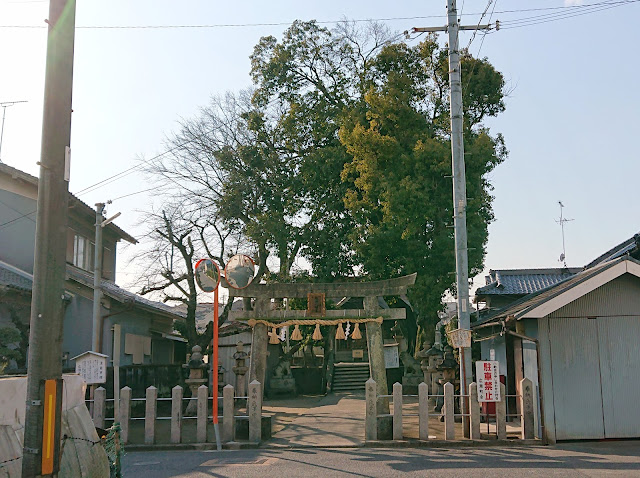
{"x": 147, "y": 326}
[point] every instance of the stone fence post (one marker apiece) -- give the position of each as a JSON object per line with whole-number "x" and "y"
{"x": 423, "y": 411}
{"x": 254, "y": 409}
{"x": 526, "y": 405}
{"x": 176, "y": 414}
{"x": 501, "y": 415}
{"x": 397, "y": 411}
{"x": 125, "y": 413}
{"x": 150, "y": 413}
{"x": 99, "y": 405}
{"x": 371, "y": 411}
{"x": 201, "y": 425}
{"x": 474, "y": 411}
{"x": 449, "y": 418}
{"x": 228, "y": 413}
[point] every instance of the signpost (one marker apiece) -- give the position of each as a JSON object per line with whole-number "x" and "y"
{"x": 488, "y": 378}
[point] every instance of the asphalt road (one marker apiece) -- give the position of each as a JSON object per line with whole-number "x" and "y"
{"x": 586, "y": 459}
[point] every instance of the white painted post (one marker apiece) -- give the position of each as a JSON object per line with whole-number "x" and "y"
{"x": 397, "y": 411}
{"x": 449, "y": 418}
{"x": 201, "y": 426}
{"x": 371, "y": 411}
{"x": 150, "y": 413}
{"x": 125, "y": 413}
{"x": 501, "y": 415}
{"x": 99, "y": 405}
{"x": 228, "y": 412}
{"x": 255, "y": 412}
{"x": 474, "y": 410}
{"x": 176, "y": 414}
{"x": 526, "y": 405}
{"x": 423, "y": 411}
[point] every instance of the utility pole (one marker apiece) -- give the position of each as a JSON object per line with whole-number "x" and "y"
{"x": 44, "y": 383}
{"x": 5, "y": 105}
{"x": 97, "y": 277}
{"x": 459, "y": 191}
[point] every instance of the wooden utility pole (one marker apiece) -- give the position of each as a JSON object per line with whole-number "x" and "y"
{"x": 47, "y": 302}
{"x": 459, "y": 189}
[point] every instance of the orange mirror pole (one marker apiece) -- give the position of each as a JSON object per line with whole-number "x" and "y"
{"x": 215, "y": 368}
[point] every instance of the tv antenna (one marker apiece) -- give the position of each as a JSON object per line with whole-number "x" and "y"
{"x": 5, "y": 105}
{"x": 561, "y": 221}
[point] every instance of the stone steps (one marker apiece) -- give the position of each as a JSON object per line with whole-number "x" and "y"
{"x": 349, "y": 377}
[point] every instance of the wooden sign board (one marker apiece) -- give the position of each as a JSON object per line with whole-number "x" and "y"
{"x": 316, "y": 306}
{"x": 92, "y": 367}
{"x": 459, "y": 338}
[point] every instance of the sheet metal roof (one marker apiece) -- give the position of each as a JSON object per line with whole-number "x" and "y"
{"x": 626, "y": 247}
{"x": 113, "y": 291}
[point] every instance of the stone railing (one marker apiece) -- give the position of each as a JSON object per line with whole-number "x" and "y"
{"x": 228, "y": 419}
{"x": 447, "y": 413}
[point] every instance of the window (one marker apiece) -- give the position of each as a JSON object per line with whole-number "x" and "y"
{"x": 83, "y": 253}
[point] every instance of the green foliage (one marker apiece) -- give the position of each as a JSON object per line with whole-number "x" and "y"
{"x": 9, "y": 339}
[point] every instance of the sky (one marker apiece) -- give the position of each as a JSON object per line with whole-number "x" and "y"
{"x": 570, "y": 125}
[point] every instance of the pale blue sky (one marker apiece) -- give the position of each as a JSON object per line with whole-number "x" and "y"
{"x": 571, "y": 122}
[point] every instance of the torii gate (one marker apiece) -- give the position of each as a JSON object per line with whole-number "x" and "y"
{"x": 263, "y": 316}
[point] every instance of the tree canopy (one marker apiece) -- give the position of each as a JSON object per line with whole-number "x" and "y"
{"x": 341, "y": 155}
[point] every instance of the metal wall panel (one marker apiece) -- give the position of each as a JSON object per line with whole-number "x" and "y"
{"x": 575, "y": 368}
{"x": 620, "y": 371}
{"x": 617, "y": 298}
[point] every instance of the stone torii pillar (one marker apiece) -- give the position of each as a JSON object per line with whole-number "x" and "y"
{"x": 375, "y": 346}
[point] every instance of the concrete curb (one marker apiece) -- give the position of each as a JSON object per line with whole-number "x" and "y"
{"x": 367, "y": 444}
{"x": 449, "y": 443}
{"x": 192, "y": 446}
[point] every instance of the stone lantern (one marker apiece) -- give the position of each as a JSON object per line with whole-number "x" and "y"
{"x": 196, "y": 378}
{"x": 448, "y": 368}
{"x": 240, "y": 369}
{"x": 431, "y": 358}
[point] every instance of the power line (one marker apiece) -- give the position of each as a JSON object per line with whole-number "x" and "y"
{"x": 566, "y": 9}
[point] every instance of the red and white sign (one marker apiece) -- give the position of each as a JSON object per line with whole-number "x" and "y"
{"x": 488, "y": 379}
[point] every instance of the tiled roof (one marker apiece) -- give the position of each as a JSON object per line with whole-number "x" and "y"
{"x": 15, "y": 278}
{"x": 520, "y": 306}
{"x": 110, "y": 289}
{"x": 523, "y": 281}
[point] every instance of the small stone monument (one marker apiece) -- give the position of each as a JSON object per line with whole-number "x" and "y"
{"x": 196, "y": 378}
{"x": 240, "y": 369}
